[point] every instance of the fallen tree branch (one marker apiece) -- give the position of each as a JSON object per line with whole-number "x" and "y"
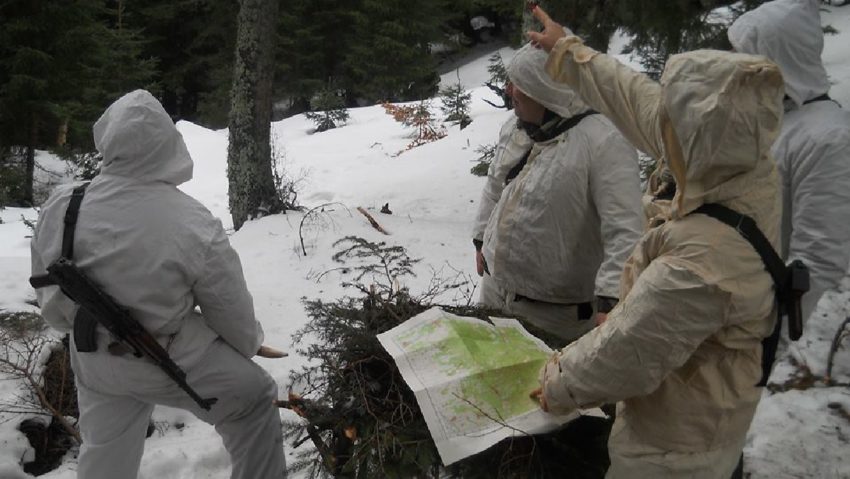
{"x": 372, "y": 220}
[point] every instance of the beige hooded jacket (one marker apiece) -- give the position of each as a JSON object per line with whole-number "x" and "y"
{"x": 682, "y": 349}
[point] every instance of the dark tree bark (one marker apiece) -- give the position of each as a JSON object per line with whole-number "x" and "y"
{"x": 249, "y": 166}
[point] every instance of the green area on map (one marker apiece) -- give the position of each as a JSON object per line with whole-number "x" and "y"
{"x": 500, "y": 366}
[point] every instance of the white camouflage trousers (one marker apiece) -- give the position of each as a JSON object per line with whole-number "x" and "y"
{"x": 116, "y": 395}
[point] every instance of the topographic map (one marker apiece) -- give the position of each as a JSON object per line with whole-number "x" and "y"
{"x": 471, "y": 379}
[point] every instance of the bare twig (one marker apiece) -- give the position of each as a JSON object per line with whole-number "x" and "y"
{"x": 318, "y": 277}
{"x": 309, "y": 213}
{"x": 20, "y": 359}
{"x": 498, "y": 420}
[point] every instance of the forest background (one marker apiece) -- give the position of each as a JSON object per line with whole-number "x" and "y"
{"x": 62, "y": 63}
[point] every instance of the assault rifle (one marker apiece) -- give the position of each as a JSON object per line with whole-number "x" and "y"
{"x": 98, "y": 307}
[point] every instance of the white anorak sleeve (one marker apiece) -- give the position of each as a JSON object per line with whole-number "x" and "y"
{"x": 820, "y": 216}
{"x": 631, "y": 100}
{"x": 489, "y": 198}
{"x": 223, "y": 296}
{"x": 652, "y": 332}
{"x": 615, "y": 187}
{"x": 512, "y": 146}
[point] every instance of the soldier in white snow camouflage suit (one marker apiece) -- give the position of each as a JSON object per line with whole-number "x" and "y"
{"x": 813, "y": 149}
{"x": 560, "y": 211}
{"x": 159, "y": 253}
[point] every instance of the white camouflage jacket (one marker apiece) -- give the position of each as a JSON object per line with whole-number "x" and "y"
{"x": 154, "y": 249}
{"x": 560, "y": 231}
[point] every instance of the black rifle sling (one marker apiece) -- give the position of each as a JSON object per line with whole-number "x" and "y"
{"x": 70, "y": 225}
{"x": 85, "y": 337}
{"x": 71, "y": 215}
{"x": 774, "y": 265}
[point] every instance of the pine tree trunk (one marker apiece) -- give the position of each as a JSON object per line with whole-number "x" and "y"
{"x": 249, "y": 170}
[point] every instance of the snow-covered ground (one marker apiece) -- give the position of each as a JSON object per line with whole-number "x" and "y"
{"x": 433, "y": 198}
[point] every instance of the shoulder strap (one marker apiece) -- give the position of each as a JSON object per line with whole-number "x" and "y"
{"x": 774, "y": 265}
{"x": 71, "y": 221}
{"x": 747, "y": 227}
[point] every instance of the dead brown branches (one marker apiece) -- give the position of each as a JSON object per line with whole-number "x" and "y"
{"x": 22, "y": 352}
{"x": 419, "y": 118}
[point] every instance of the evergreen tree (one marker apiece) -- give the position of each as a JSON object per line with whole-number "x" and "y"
{"x": 499, "y": 81}
{"x": 59, "y": 67}
{"x": 390, "y": 59}
{"x": 315, "y": 37}
{"x": 328, "y": 110}
{"x": 455, "y": 105}
{"x": 661, "y": 28}
{"x": 119, "y": 65}
{"x": 193, "y": 43}
{"x": 249, "y": 171}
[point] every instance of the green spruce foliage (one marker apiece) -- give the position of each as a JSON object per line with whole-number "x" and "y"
{"x": 455, "y": 105}
{"x": 486, "y": 153}
{"x": 61, "y": 63}
{"x": 315, "y": 38}
{"x": 193, "y": 43}
{"x": 329, "y": 110}
{"x": 390, "y": 59}
{"x": 498, "y": 81}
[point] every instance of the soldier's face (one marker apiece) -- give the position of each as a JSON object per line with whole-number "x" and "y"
{"x": 525, "y": 108}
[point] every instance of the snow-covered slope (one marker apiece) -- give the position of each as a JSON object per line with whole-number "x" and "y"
{"x": 433, "y": 198}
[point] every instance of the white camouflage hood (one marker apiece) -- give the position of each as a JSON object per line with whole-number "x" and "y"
{"x": 788, "y": 32}
{"x": 138, "y": 140}
{"x": 527, "y": 71}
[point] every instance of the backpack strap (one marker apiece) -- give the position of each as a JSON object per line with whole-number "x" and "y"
{"x": 774, "y": 265}
{"x": 71, "y": 215}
